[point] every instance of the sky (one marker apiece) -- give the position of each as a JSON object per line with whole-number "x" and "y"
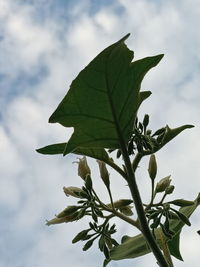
{"x": 44, "y": 44}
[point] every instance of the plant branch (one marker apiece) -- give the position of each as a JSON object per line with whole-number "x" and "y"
{"x": 139, "y": 208}
{"x": 116, "y": 167}
{"x": 116, "y": 213}
{"x": 111, "y": 199}
{"x": 122, "y": 216}
{"x": 152, "y": 192}
{"x": 133, "y": 185}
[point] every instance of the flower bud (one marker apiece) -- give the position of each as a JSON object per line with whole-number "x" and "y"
{"x": 126, "y": 211}
{"x": 104, "y": 173}
{"x": 152, "y": 167}
{"x": 169, "y": 189}
{"x": 163, "y": 184}
{"x": 65, "y": 219}
{"x": 72, "y": 191}
{"x": 121, "y": 203}
{"x": 83, "y": 168}
{"x": 68, "y": 211}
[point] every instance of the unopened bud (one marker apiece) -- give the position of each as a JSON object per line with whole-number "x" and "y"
{"x": 65, "y": 219}
{"x": 104, "y": 173}
{"x": 152, "y": 167}
{"x": 72, "y": 191}
{"x": 169, "y": 189}
{"x": 163, "y": 184}
{"x": 126, "y": 211}
{"x": 83, "y": 168}
{"x": 68, "y": 211}
{"x": 121, "y": 203}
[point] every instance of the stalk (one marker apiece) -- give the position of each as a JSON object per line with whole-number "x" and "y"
{"x": 140, "y": 211}
{"x": 133, "y": 185}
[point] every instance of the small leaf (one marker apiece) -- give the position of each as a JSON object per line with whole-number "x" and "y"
{"x": 182, "y": 217}
{"x": 159, "y": 131}
{"x": 181, "y": 202}
{"x": 106, "y": 252}
{"x": 80, "y": 236}
{"x": 81, "y": 213}
{"x": 109, "y": 242}
{"x": 101, "y": 242}
{"x": 88, "y": 245}
{"x": 96, "y": 153}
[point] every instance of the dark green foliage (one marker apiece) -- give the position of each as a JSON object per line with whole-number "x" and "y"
{"x": 102, "y": 105}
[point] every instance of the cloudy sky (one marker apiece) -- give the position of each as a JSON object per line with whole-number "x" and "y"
{"x": 43, "y": 46}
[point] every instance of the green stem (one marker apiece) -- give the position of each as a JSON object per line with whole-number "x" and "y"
{"x": 116, "y": 213}
{"x": 111, "y": 199}
{"x": 116, "y": 167}
{"x": 152, "y": 192}
{"x": 163, "y": 198}
{"x": 140, "y": 211}
{"x": 132, "y": 182}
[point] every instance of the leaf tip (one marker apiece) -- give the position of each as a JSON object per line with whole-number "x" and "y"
{"x": 124, "y": 38}
{"x": 39, "y": 150}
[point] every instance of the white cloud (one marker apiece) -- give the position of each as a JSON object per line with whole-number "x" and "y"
{"x": 31, "y": 184}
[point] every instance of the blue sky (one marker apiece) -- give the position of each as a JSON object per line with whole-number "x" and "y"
{"x": 43, "y": 46}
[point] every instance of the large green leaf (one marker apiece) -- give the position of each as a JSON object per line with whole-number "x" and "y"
{"x": 97, "y": 153}
{"x": 103, "y": 100}
{"x": 136, "y": 246}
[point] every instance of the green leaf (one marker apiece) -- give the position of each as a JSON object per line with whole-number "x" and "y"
{"x": 103, "y": 100}
{"x": 97, "y": 153}
{"x": 173, "y": 246}
{"x": 132, "y": 247}
{"x": 80, "y": 236}
{"x": 106, "y": 261}
{"x": 181, "y": 202}
{"x": 136, "y": 246}
{"x": 182, "y": 217}
{"x": 172, "y": 133}
{"x": 88, "y": 244}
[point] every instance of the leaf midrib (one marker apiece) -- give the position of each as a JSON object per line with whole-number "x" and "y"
{"x": 118, "y": 129}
